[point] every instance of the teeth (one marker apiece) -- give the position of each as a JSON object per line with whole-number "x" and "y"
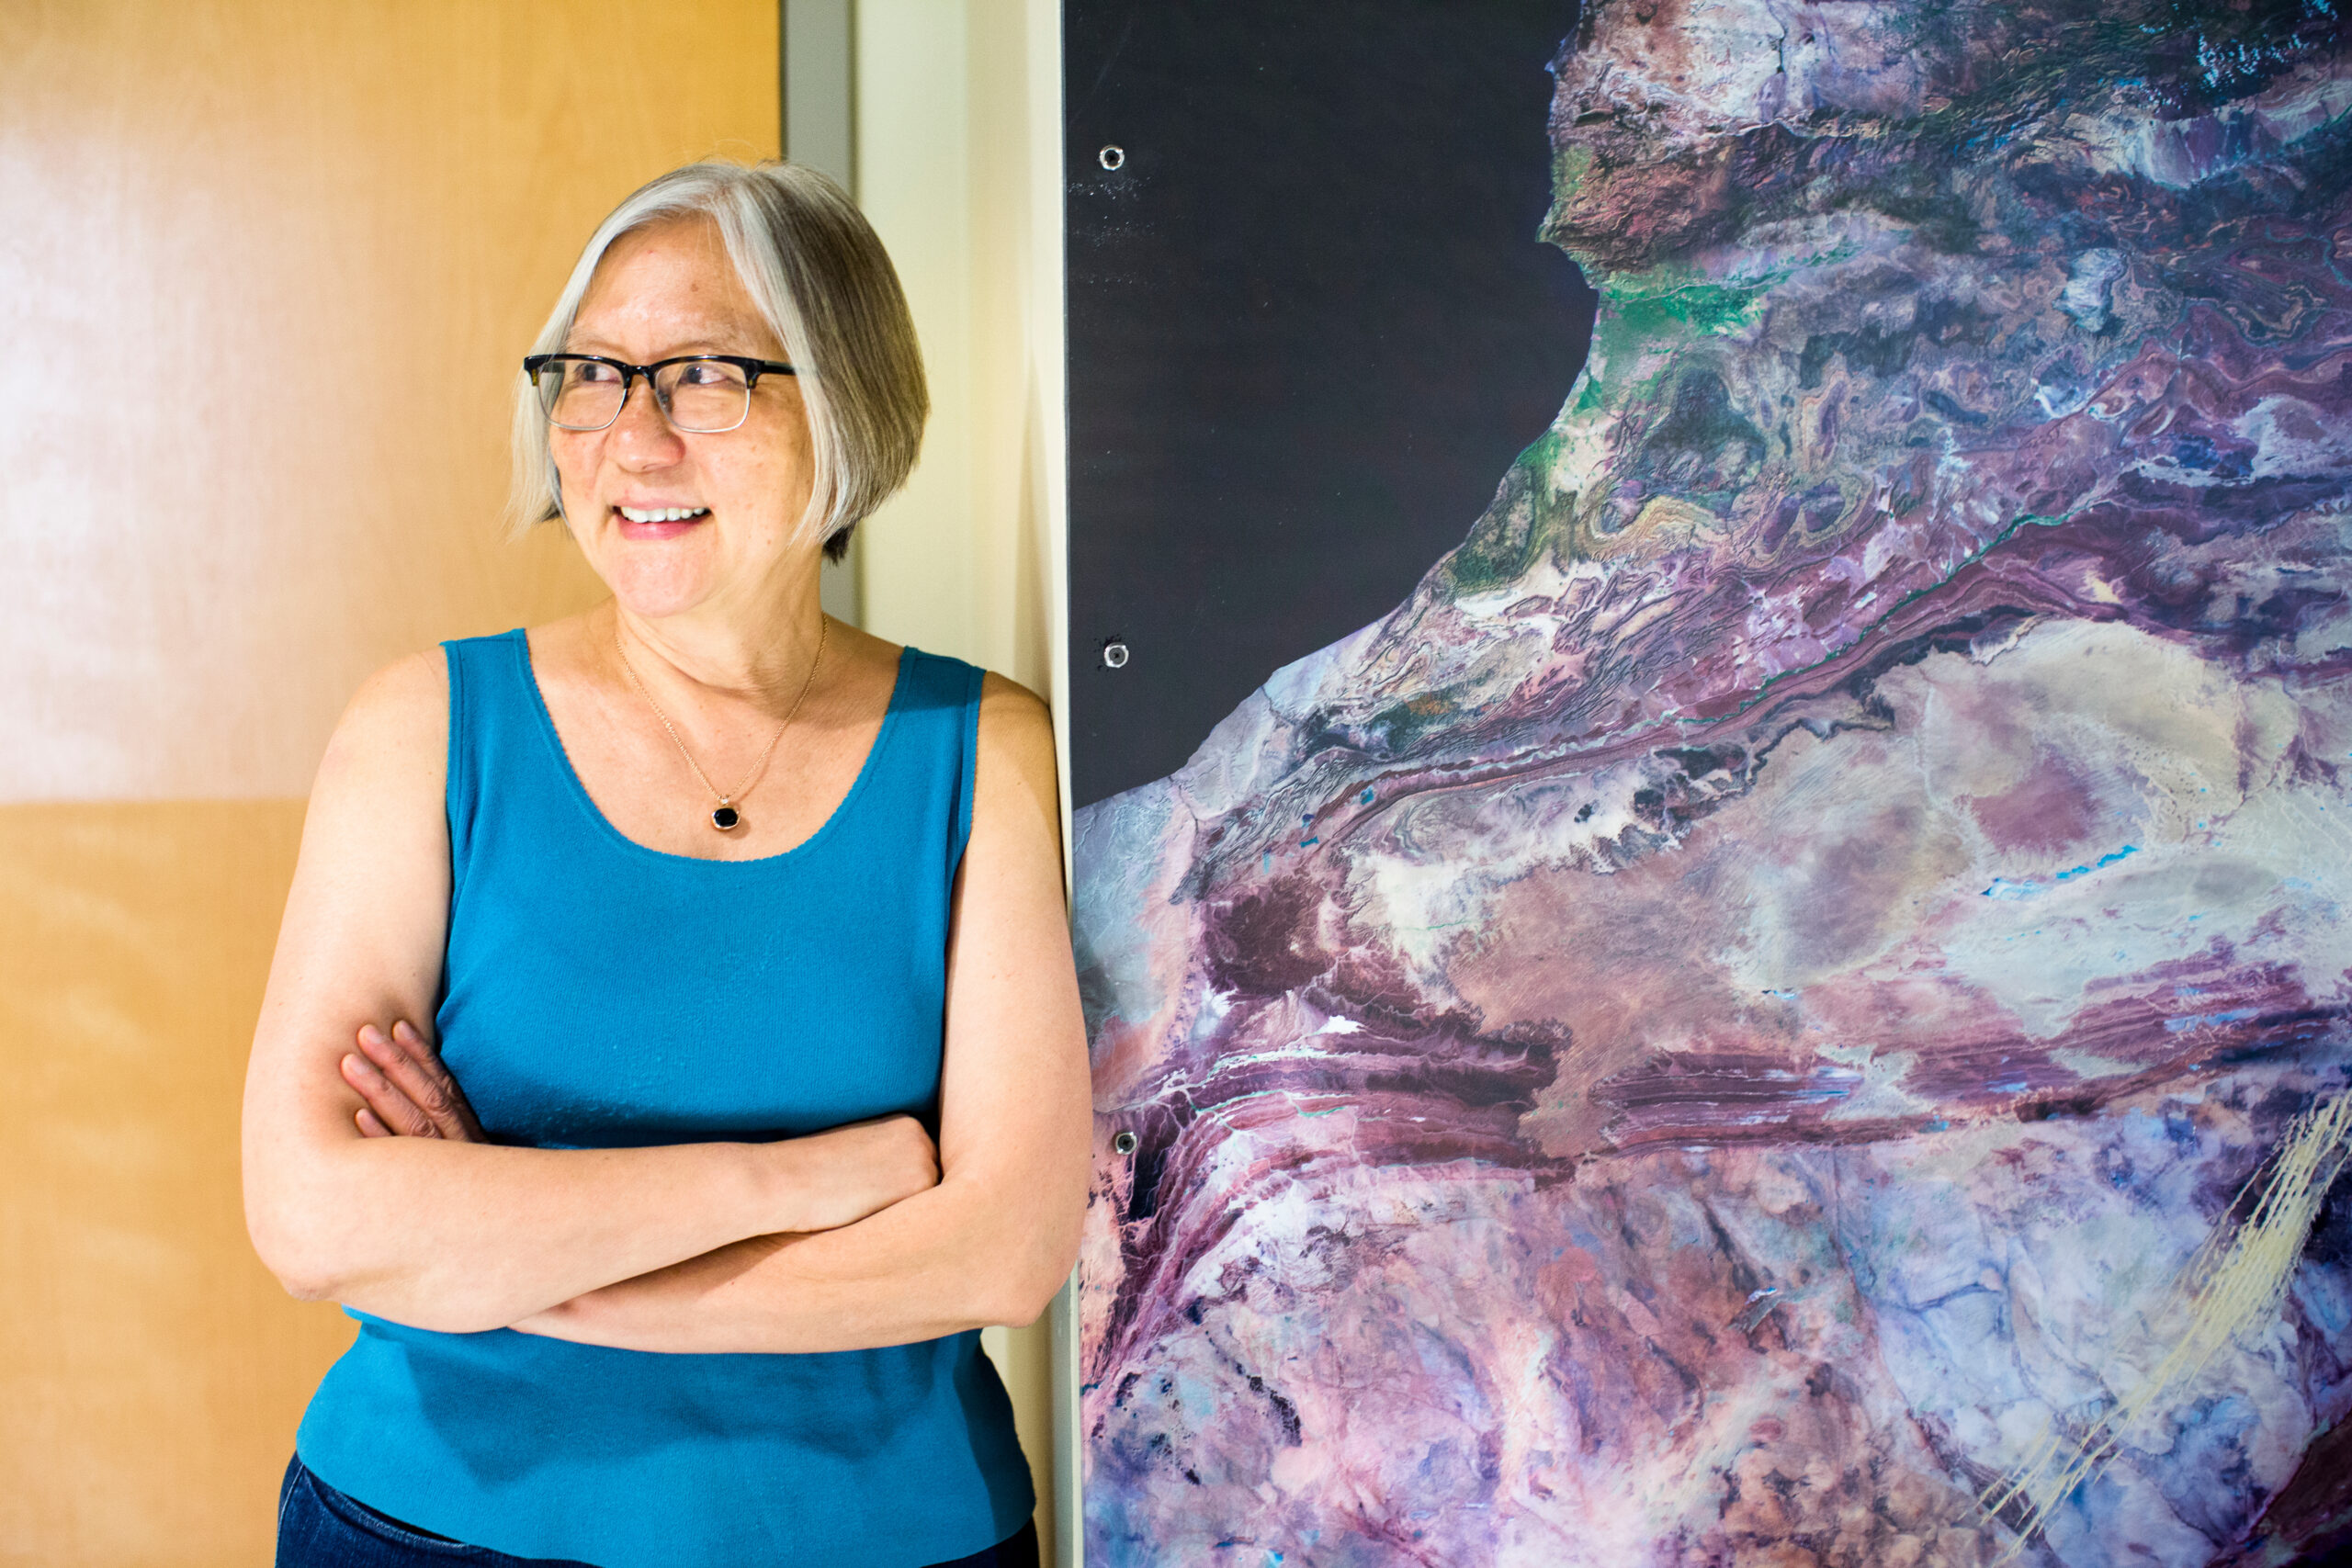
{"x": 662, "y": 514}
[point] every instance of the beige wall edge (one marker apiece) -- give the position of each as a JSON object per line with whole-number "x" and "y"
{"x": 958, "y": 157}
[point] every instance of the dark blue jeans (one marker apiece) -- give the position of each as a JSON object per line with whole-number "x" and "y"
{"x": 318, "y": 1527}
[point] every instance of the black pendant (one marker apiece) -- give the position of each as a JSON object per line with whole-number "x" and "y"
{"x": 725, "y": 819}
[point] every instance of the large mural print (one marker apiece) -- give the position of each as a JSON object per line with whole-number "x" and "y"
{"x": 1790, "y": 1005}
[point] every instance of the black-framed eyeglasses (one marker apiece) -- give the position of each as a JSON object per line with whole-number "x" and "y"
{"x": 702, "y": 394}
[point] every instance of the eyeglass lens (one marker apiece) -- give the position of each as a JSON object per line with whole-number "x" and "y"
{"x": 701, "y": 396}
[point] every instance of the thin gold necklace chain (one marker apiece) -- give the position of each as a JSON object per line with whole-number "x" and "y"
{"x": 757, "y": 768}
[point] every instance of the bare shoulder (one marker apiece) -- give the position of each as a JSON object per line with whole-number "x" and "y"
{"x": 395, "y": 729}
{"x": 1007, "y": 704}
{"x": 404, "y": 693}
{"x": 1016, "y": 733}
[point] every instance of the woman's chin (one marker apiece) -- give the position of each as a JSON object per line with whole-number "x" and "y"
{"x": 694, "y": 571}
{"x": 656, "y": 589}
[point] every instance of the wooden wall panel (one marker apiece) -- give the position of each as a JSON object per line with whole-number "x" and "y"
{"x": 151, "y": 1370}
{"x": 268, "y": 266}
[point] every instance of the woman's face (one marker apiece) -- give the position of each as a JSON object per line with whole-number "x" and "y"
{"x": 661, "y": 291}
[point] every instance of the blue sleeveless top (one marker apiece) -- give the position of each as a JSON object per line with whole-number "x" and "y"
{"x": 597, "y": 994}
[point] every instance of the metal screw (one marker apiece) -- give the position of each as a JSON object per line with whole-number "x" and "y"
{"x": 1112, "y": 157}
{"x": 1125, "y": 1142}
{"x": 1115, "y": 655}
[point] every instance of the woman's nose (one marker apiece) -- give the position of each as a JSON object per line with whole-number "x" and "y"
{"x": 641, "y": 430}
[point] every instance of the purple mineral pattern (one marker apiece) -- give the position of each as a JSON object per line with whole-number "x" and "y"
{"x": 1789, "y": 1006}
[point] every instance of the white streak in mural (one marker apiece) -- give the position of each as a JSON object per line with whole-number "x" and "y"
{"x": 1789, "y": 1006}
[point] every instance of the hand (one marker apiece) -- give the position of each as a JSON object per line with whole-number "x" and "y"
{"x": 841, "y": 1176}
{"x": 406, "y": 1090}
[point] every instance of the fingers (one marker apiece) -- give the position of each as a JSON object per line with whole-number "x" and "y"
{"x": 459, "y": 1122}
{"x": 369, "y": 1126}
{"x": 382, "y": 1099}
{"x": 404, "y": 1060}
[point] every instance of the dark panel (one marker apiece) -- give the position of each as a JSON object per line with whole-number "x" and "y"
{"x": 1310, "y": 325}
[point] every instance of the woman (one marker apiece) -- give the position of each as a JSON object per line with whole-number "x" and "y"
{"x": 784, "y": 1083}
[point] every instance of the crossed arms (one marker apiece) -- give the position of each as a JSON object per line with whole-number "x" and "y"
{"x": 365, "y": 1183}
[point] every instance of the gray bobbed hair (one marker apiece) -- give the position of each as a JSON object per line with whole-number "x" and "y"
{"x": 820, "y": 276}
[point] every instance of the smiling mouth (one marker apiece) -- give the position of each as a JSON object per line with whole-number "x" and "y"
{"x": 662, "y": 514}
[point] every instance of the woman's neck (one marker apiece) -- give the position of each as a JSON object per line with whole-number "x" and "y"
{"x": 762, "y": 657}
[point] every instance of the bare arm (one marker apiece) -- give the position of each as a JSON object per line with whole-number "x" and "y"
{"x": 996, "y": 1237}
{"x": 451, "y": 1235}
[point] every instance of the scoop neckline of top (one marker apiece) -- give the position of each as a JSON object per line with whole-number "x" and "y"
{"x": 595, "y": 814}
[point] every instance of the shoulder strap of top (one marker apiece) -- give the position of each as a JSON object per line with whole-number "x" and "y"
{"x": 939, "y": 715}
{"x": 969, "y": 756}
{"x": 485, "y": 696}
